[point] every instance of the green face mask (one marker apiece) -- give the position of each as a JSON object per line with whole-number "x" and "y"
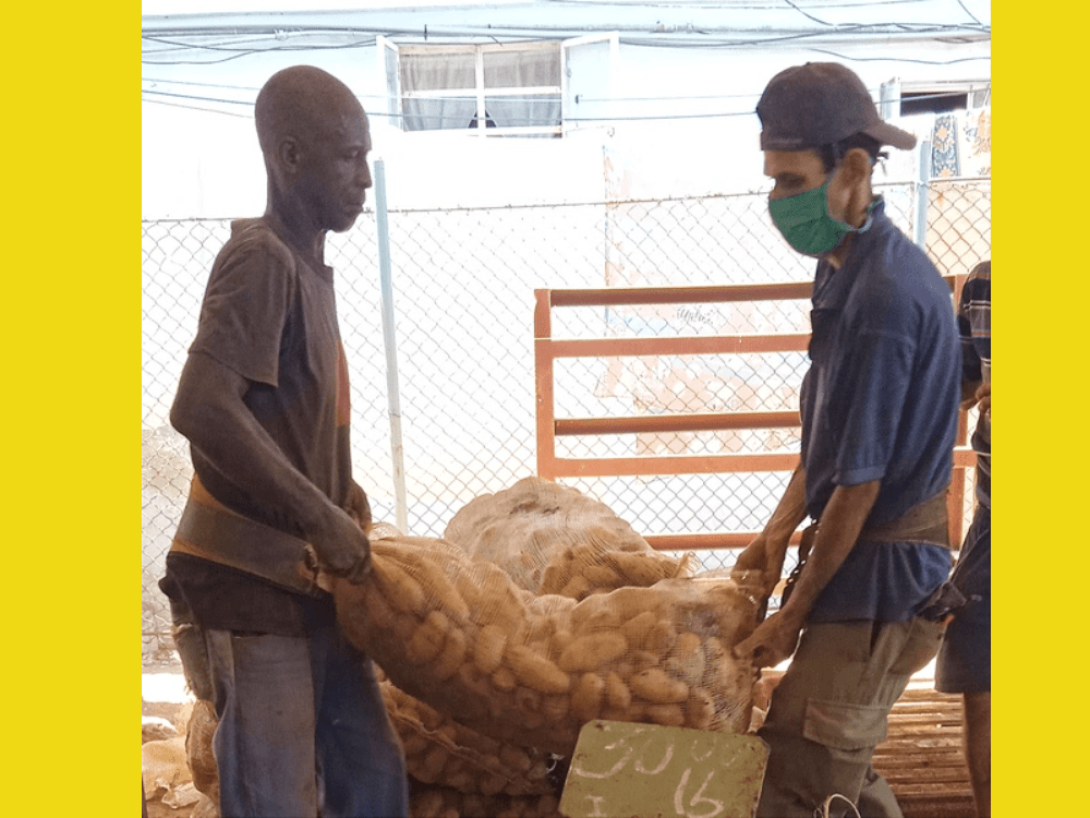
{"x": 805, "y": 222}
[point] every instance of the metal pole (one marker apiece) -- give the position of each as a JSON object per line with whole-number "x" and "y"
{"x": 922, "y": 190}
{"x": 387, "y": 287}
{"x": 890, "y": 99}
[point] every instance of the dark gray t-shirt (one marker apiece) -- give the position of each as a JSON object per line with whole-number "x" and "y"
{"x": 271, "y": 318}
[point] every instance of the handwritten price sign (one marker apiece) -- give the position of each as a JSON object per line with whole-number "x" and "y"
{"x": 624, "y": 770}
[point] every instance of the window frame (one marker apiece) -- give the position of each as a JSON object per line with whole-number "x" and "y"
{"x": 390, "y": 54}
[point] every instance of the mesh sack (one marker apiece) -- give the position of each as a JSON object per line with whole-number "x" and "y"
{"x": 535, "y": 529}
{"x": 531, "y": 670}
{"x": 441, "y": 752}
{"x": 441, "y": 802}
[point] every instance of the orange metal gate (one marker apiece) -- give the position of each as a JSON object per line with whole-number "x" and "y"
{"x": 548, "y": 349}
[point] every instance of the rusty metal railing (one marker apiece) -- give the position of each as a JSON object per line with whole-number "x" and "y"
{"x": 548, "y": 349}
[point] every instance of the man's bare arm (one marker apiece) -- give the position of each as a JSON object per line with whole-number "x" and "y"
{"x": 769, "y": 549}
{"x": 843, "y": 518}
{"x": 210, "y": 412}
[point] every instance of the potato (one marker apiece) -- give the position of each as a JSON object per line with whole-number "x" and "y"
{"x": 690, "y": 670}
{"x": 602, "y": 576}
{"x": 687, "y": 644}
{"x": 634, "y": 712}
{"x": 515, "y": 758}
{"x": 558, "y": 643}
{"x": 631, "y": 602}
{"x": 402, "y": 592}
{"x": 541, "y": 628}
{"x": 640, "y": 569}
{"x": 470, "y": 680}
{"x": 699, "y": 710}
{"x": 587, "y": 555}
{"x": 500, "y": 604}
{"x": 489, "y": 648}
{"x": 590, "y": 609}
{"x": 576, "y": 587}
{"x": 555, "y": 708}
{"x": 535, "y": 671}
{"x": 654, "y": 685}
{"x": 618, "y": 696}
{"x": 638, "y": 660}
{"x": 586, "y": 700}
{"x": 606, "y": 618}
{"x": 428, "y": 638}
{"x": 462, "y": 780}
{"x": 492, "y": 784}
{"x": 504, "y": 679}
{"x": 592, "y": 651}
{"x": 413, "y": 743}
{"x": 556, "y": 576}
{"x": 431, "y": 718}
{"x": 437, "y": 587}
{"x": 431, "y": 767}
{"x": 661, "y": 638}
{"x": 427, "y": 805}
{"x": 637, "y": 629}
{"x": 452, "y": 655}
{"x": 668, "y": 715}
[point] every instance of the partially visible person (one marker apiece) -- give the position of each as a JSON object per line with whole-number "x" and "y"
{"x": 879, "y": 421}
{"x": 965, "y": 657}
{"x": 264, "y": 401}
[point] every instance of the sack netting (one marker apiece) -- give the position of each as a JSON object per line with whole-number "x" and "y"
{"x": 531, "y": 668}
{"x": 539, "y": 611}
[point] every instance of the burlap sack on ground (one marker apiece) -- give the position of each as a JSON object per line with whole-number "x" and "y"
{"x": 531, "y": 670}
{"x": 535, "y": 530}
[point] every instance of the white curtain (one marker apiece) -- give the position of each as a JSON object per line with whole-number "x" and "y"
{"x": 423, "y": 72}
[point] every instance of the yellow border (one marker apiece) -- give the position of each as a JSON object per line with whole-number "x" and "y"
{"x": 71, "y": 382}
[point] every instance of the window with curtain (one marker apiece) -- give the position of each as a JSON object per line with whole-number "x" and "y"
{"x": 508, "y": 89}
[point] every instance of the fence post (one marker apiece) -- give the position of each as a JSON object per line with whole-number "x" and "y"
{"x": 922, "y": 194}
{"x": 890, "y": 98}
{"x": 387, "y": 289}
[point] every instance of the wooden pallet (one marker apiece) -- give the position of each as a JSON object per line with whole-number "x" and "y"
{"x": 922, "y": 758}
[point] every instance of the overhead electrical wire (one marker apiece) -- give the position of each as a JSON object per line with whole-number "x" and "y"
{"x": 701, "y": 38}
{"x": 764, "y": 5}
{"x": 652, "y": 117}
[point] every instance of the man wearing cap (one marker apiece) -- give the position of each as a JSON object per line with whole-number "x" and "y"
{"x": 879, "y": 413}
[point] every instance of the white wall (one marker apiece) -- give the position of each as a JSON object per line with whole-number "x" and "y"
{"x": 207, "y": 164}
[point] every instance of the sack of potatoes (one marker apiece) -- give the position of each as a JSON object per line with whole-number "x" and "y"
{"x": 445, "y": 754}
{"x": 442, "y": 802}
{"x": 552, "y": 539}
{"x": 531, "y": 669}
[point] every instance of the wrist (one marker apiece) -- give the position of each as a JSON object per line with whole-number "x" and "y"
{"x": 794, "y": 612}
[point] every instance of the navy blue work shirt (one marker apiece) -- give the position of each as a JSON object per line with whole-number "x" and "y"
{"x": 880, "y": 402}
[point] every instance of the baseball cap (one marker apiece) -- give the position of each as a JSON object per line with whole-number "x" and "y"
{"x": 820, "y": 103}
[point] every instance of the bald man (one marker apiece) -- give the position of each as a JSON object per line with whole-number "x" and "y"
{"x": 264, "y": 402}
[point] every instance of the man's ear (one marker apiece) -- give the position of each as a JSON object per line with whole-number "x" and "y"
{"x": 857, "y": 165}
{"x": 287, "y": 153}
{"x": 855, "y": 173}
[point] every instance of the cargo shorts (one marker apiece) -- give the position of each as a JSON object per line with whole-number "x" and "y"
{"x": 830, "y": 711}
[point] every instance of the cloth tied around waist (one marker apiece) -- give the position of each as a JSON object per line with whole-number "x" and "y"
{"x": 211, "y": 531}
{"x": 927, "y": 522}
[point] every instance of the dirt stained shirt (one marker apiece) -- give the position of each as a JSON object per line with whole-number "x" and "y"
{"x": 270, "y": 317}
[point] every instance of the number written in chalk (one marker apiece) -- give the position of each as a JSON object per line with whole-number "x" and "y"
{"x": 645, "y": 770}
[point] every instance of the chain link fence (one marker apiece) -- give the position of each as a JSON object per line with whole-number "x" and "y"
{"x": 463, "y": 303}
